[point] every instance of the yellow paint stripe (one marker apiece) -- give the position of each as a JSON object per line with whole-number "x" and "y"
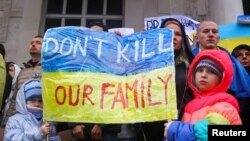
{"x": 231, "y": 43}
{"x": 99, "y": 107}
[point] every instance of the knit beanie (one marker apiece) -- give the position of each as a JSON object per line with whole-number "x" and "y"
{"x": 32, "y": 88}
{"x": 211, "y": 65}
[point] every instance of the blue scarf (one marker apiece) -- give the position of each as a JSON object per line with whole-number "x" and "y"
{"x": 37, "y": 112}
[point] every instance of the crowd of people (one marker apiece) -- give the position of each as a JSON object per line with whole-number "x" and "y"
{"x": 212, "y": 87}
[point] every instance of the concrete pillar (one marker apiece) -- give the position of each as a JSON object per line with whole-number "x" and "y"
{"x": 224, "y": 11}
{"x": 28, "y": 28}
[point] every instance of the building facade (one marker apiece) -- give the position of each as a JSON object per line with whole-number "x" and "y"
{"x": 20, "y": 20}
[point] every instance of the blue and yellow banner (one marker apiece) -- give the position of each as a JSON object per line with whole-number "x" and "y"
{"x": 99, "y": 77}
{"x": 232, "y": 35}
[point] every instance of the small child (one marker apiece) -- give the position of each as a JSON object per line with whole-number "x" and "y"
{"x": 209, "y": 77}
{"x": 27, "y": 124}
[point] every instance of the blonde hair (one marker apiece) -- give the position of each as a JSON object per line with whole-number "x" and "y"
{"x": 182, "y": 57}
{"x": 171, "y": 22}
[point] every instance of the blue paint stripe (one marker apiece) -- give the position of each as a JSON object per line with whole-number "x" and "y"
{"x": 234, "y": 31}
{"x": 53, "y": 59}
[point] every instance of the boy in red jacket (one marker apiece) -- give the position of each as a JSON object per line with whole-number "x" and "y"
{"x": 209, "y": 77}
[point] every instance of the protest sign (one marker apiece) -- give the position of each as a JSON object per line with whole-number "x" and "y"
{"x": 189, "y": 24}
{"x": 243, "y": 19}
{"x": 99, "y": 77}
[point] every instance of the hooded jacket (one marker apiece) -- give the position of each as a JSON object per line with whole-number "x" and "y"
{"x": 212, "y": 107}
{"x": 23, "y": 126}
{"x": 240, "y": 83}
{"x": 30, "y": 71}
{"x": 10, "y": 95}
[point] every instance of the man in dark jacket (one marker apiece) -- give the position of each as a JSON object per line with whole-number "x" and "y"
{"x": 32, "y": 69}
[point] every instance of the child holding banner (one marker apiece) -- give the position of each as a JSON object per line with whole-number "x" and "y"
{"x": 209, "y": 77}
{"x": 27, "y": 123}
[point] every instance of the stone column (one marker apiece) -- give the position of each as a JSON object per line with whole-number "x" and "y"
{"x": 224, "y": 11}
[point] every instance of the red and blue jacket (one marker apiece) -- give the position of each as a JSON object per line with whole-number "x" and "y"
{"x": 212, "y": 107}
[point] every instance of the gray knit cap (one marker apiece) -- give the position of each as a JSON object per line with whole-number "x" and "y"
{"x": 210, "y": 64}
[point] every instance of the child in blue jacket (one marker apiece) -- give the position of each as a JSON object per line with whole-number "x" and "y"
{"x": 27, "y": 124}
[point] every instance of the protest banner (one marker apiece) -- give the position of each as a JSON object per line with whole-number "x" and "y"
{"x": 234, "y": 34}
{"x": 99, "y": 77}
{"x": 189, "y": 24}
